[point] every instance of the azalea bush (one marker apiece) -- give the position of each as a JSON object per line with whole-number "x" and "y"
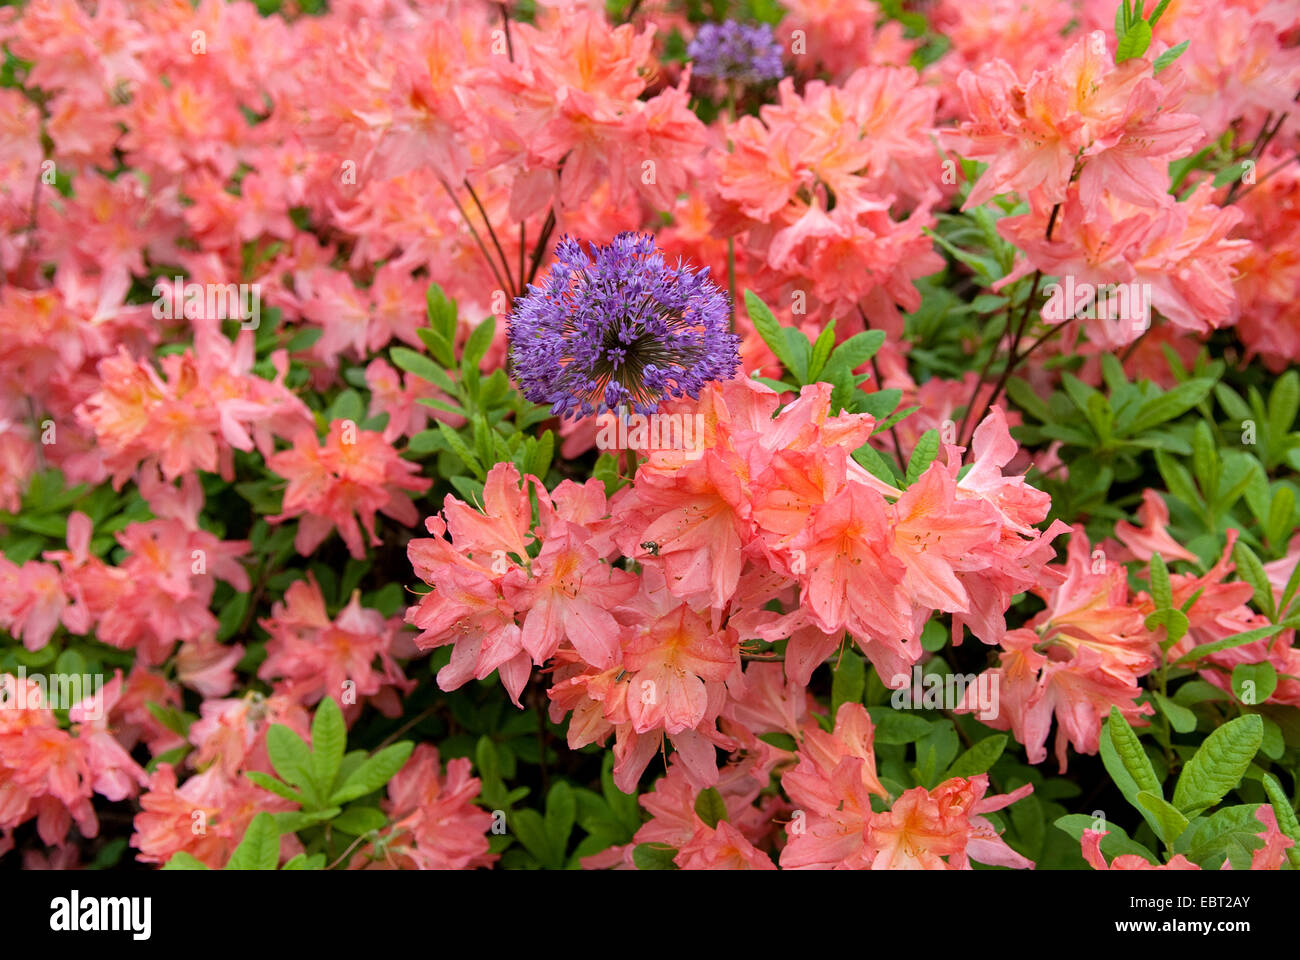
{"x": 669, "y": 435}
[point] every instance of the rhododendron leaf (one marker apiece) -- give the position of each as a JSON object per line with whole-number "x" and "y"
{"x": 359, "y": 820}
{"x": 260, "y": 848}
{"x": 1227, "y": 643}
{"x": 419, "y": 364}
{"x": 880, "y": 404}
{"x": 540, "y": 451}
{"x": 923, "y": 454}
{"x": 561, "y": 811}
{"x": 1177, "y": 479}
{"x": 1286, "y": 817}
{"x": 857, "y": 350}
{"x": 291, "y": 821}
{"x": 1218, "y": 764}
{"x": 1161, "y": 592}
{"x": 373, "y": 773}
{"x": 1168, "y": 57}
{"x": 1168, "y": 405}
{"x": 1254, "y": 683}
{"x": 1135, "y": 41}
{"x": 849, "y": 681}
{"x": 1158, "y": 12}
{"x": 1231, "y": 833}
{"x": 875, "y": 464}
{"x": 304, "y": 862}
{"x": 769, "y": 329}
{"x": 458, "y": 446}
{"x": 1115, "y": 843}
{"x": 291, "y": 758}
{"x": 531, "y": 830}
{"x": 934, "y": 752}
{"x": 1175, "y": 624}
{"x": 1129, "y": 750}
{"x": 1251, "y": 570}
{"x": 624, "y": 805}
{"x": 1171, "y": 823}
{"x": 893, "y": 726}
{"x": 821, "y": 350}
{"x": 979, "y": 758}
{"x": 888, "y": 422}
{"x": 180, "y": 860}
{"x": 1180, "y": 718}
{"x": 782, "y": 741}
{"x": 1283, "y": 404}
{"x": 710, "y": 807}
{"x": 654, "y": 856}
{"x": 278, "y": 787}
{"x": 476, "y": 347}
{"x": 329, "y": 737}
{"x": 174, "y": 720}
{"x": 441, "y": 311}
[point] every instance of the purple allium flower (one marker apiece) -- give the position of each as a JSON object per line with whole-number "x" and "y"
{"x": 618, "y": 328}
{"x": 736, "y": 51}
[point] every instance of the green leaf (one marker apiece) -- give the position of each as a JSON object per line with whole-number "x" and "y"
{"x": 1231, "y": 832}
{"x": 1254, "y": 683}
{"x": 529, "y": 827}
{"x": 654, "y": 856}
{"x": 458, "y": 446}
{"x": 1173, "y": 403}
{"x": 768, "y": 328}
{"x": 1115, "y": 843}
{"x": 1227, "y": 643}
{"x": 1129, "y": 749}
{"x": 1180, "y": 718}
{"x": 1169, "y": 56}
{"x": 821, "y": 350}
{"x": 1161, "y": 591}
{"x": 329, "y": 737}
{"x": 1283, "y": 404}
{"x": 476, "y": 347}
{"x": 979, "y": 758}
{"x": 1172, "y": 823}
{"x": 710, "y": 807}
{"x": 291, "y": 758}
{"x": 1251, "y": 570}
{"x": 268, "y": 782}
{"x": 561, "y": 810}
{"x": 359, "y": 821}
{"x": 1134, "y": 43}
{"x": 373, "y": 773}
{"x": 417, "y": 363}
{"x": 260, "y": 848}
{"x": 1286, "y": 818}
{"x": 1219, "y": 764}
{"x": 923, "y": 454}
{"x": 849, "y": 681}
{"x": 180, "y": 860}
{"x": 303, "y": 862}
{"x": 857, "y": 350}
{"x": 871, "y": 460}
{"x": 894, "y": 726}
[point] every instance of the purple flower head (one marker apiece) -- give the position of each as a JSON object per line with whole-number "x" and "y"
{"x": 736, "y": 51}
{"x": 616, "y": 327}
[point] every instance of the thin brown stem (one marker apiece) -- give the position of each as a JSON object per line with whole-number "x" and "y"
{"x": 505, "y": 264}
{"x": 477, "y": 239}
